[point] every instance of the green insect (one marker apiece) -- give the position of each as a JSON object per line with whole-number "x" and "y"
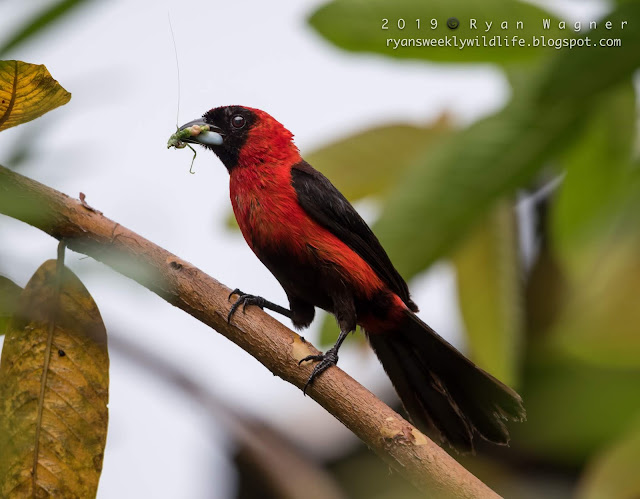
{"x": 181, "y": 138}
{"x": 185, "y": 134}
{"x": 176, "y": 141}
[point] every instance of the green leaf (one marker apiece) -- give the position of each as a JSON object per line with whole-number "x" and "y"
{"x": 613, "y": 473}
{"x": 37, "y": 24}
{"x": 9, "y": 292}
{"x": 598, "y": 172}
{"x": 573, "y": 409}
{"x": 488, "y": 278}
{"x": 452, "y": 186}
{"x": 596, "y": 235}
{"x": 54, "y": 376}
{"x": 27, "y": 91}
{"x": 357, "y": 26}
{"x": 369, "y": 163}
{"x": 455, "y": 184}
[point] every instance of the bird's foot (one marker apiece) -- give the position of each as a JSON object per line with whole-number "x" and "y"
{"x": 243, "y": 300}
{"x": 325, "y": 361}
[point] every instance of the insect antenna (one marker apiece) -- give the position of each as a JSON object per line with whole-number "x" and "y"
{"x": 175, "y": 51}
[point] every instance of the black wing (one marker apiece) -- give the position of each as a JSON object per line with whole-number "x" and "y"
{"x": 328, "y": 207}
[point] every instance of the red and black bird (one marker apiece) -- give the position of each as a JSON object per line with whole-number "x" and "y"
{"x": 324, "y": 255}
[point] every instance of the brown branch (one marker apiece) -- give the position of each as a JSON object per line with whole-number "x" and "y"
{"x": 278, "y": 348}
{"x": 287, "y": 472}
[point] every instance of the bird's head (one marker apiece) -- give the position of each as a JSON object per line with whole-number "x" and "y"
{"x": 243, "y": 137}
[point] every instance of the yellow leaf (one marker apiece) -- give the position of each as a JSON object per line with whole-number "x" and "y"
{"x": 26, "y": 92}
{"x": 54, "y": 375}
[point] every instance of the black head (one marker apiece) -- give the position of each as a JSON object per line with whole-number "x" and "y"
{"x": 233, "y": 123}
{"x": 242, "y": 135}
{"x": 228, "y": 131}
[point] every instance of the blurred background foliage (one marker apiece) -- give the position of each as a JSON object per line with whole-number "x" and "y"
{"x": 560, "y": 319}
{"x": 537, "y": 207}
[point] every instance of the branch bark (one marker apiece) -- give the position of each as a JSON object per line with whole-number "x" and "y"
{"x": 259, "y": 448}
{"x": 279, "y": 349}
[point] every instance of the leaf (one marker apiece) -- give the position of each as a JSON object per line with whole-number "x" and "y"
{"x": 9, "y": 292}
{"x": 37, "y": 24}
{"x": 596, "y": 236}
{"x": 454, "y": 184}
{"x": 368, "y": 163}
{"x": 613, "y": 473}
{"x": 54, "y": 376}
{"x": 489, "y": 291}
{"x": 600, "y": 323}
{"x": 357, "y": 26}
{"x": 27, "y": 91}
{"x": 573, "y": 409}
{"x": 598, "y": 171}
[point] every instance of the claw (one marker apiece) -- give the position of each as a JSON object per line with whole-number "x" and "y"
{"x": 233, "y": 309}
{"x": 326, "y": 360}
{"x": 244, "y": 299}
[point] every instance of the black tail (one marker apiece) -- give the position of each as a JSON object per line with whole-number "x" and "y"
{"x": 443, "y": 390}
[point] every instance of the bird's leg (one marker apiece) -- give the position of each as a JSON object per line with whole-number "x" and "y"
{"x": 326, "y": 360}
{"x": 245, "y": 299}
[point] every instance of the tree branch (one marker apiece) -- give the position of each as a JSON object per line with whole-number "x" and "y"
{"x": 278, "y": 348}
{"x": 287, "y": 472}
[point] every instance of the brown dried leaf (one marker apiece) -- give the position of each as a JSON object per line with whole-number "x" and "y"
{"x": 54, "y": 375}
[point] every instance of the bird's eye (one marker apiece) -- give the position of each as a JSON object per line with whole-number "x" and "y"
{"x": 238, "y": 121}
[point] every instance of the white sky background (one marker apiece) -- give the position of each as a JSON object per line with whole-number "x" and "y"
{"x": 117, "y": 59}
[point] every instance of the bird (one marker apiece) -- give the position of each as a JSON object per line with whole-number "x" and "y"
{"x": 325, "y": 256}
